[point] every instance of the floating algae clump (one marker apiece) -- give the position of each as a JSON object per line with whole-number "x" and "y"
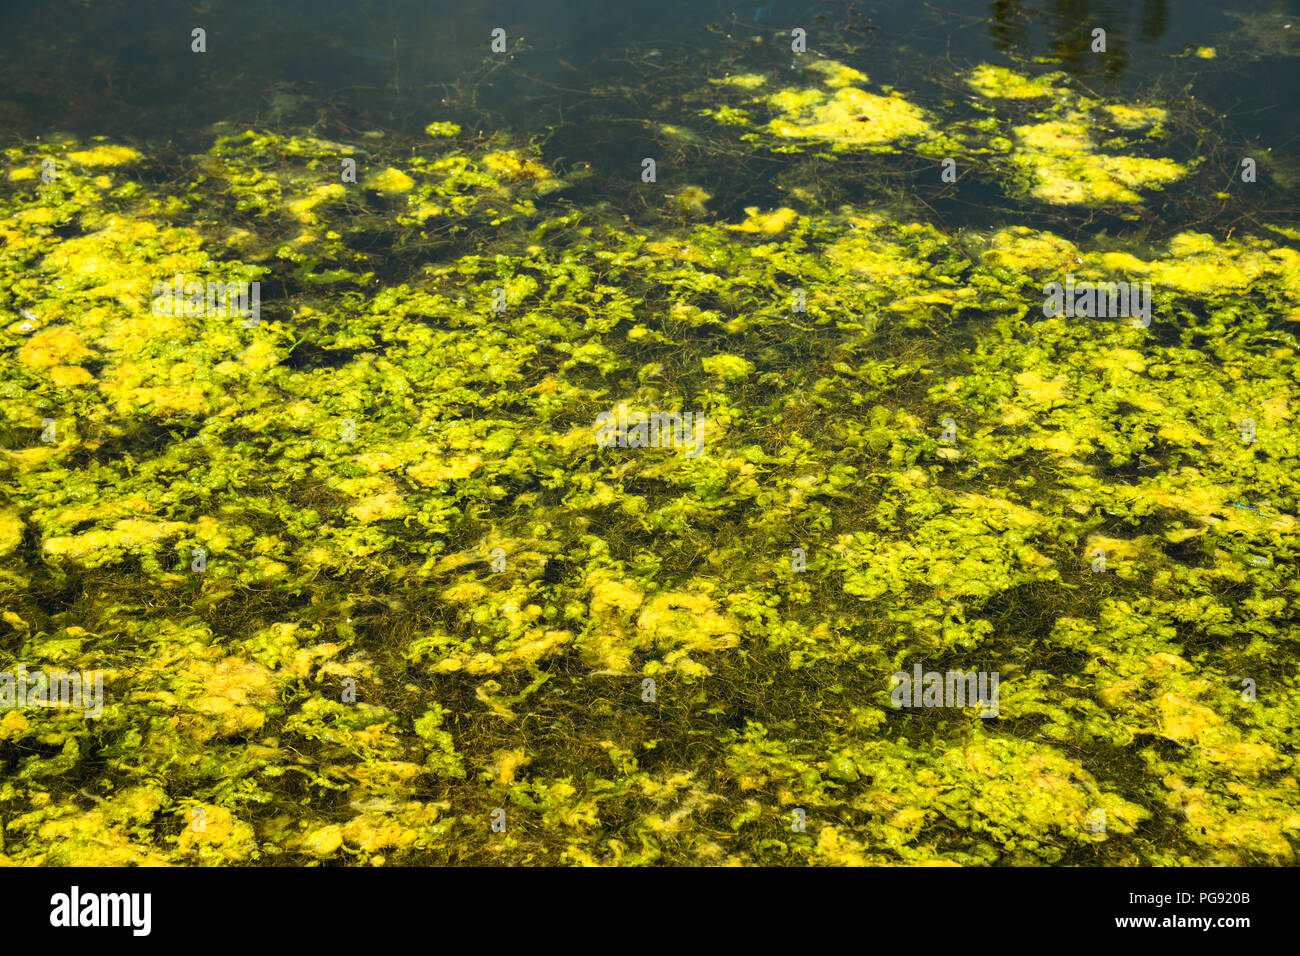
{"x": 361, "y": 572}
{"x": 771, "y": 223}
{"x": 746, "y": 81}
{"x": 729, "y": 367}
{"x": 999, "y": 82}
{"x": 442, "y": 129}
{"x": 391, "y": 180}
{"x": 1059, "y": 165}
{"x": 1055, "y": 158}
{"x": 104, "y": 156}
{"x": 848, "y": 118}
{"x": 843, "y": 115}
{"x": 1035, "y": 132}
{"x": 692, "y": 201}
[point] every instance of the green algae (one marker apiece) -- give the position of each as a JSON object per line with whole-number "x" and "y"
{"x": 1034, "y": 134}
{"x": 428, "y": 594}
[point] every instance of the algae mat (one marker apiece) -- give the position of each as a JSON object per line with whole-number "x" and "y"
{"x": 440, "y": 515}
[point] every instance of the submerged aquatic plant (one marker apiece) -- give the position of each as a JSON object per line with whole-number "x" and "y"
{"x": 360, "y": 575}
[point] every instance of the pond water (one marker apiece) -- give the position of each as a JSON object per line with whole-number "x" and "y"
{"x": 584, "y": 433}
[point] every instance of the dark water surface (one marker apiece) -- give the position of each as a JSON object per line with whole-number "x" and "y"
{"x": 590, "y": 71}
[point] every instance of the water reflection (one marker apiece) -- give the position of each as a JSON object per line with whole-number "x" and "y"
{"x": 1064, "y": 30}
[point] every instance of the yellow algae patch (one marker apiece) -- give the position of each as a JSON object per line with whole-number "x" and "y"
{"x": 12, "y": 724}
{"x": 1183, "y": 434}
{"x": 127, "y": 533}
{"x": 1058, "y": 161}
{"x": 111, "y": 254}
{"x": 15, "y": 241}
{"x": 1126, "y": 360}
{"x": 1258, "y": 824}
{"x": 687, "y": 620}
{"x": 1137, "y": 172}
{"x": 537, "y": 644}
{"x": 612, "y": 602}
{"x": 214, "y": 833}
{"x": 170, "y": 399}
{"x": 443, "y": 129}
{"x": 729, "y": 367}
{"x": 851, "y": 117}
{"x": 1199, "y": 265}
{"x": 836, "y": 73}
{"x": 57, "y": 346}
{"x": 378, "y": 831}
{"x": 259, "y": 356}
{"x": 304, "y": 209}
{"x": 998, "y": 82}
{"x": 1023, "y": 249}
{"x": 11, "y": 531}
{"x": 105, "y": 156}
{"x": 115, "y": 508}
{"x": 92, "y": 838}
{"x": 937, "y": 297}
{"x": 1042, "y": 391}
{"x": 1275, "y": 410}
{"x": 868, "y": 254}
{"x": 836, "y": 850}
{"x": 746, "y": 81}
{"x": 1210, "y": 504}
{"x": 480, "y": 663}
{"x": 466, "y": 592}
{"x": 508, "y": 763}
{"x": 429, "y": 473}
{"x": 1206, "y": 52}
{"x": 1032, "y": 789}
{"x": 136, "y": 804}
{"x": 382, "y": 775}
{"x": 1025, "y": 517}
{"x": 28, "y": 459}
{"x": 390, "y": 180}
{"x": 379, "y": 507}
{"x": 39, "y": 216}
{"x": 680, "y": 250}
{"x": 680, "y": 661}
{"x": 227, "y": 702}
{"x": 426, "y": 210}
{"x": 1240, "y": 755}
{"x": 770, "y": 223}
{"x": 391, "y": 457}
{"x": 1185, "y": 721}
{"x": 1055, "y": 137}
{"x": 692, "y": 200}
{"x": 511, "y": 164}
{"x": 609, "y": 596}
{"x": 1059, "y": 443}
{"x": 157, "y": 399}
{"x": 1134, "y": 117}
{"x": 679, "y": 132}
{"x": 1063, "y": 180}
{"x": 323, "y": 842}
{"x": 66, "y": 376}
{"x": 1014, "y": 415}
